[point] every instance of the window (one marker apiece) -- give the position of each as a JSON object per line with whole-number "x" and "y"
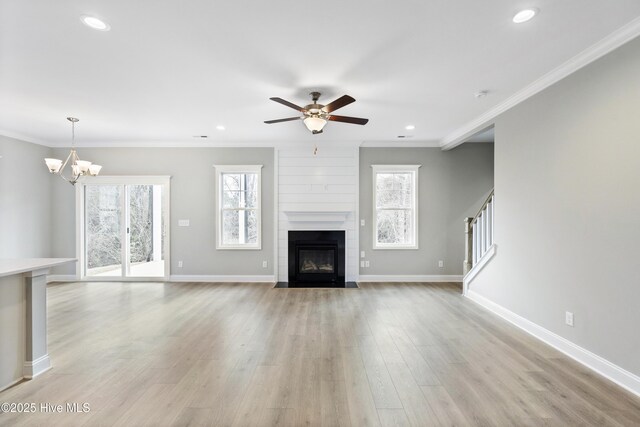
{"x": 395, "y": 209}
{"x": 239, "y": 216}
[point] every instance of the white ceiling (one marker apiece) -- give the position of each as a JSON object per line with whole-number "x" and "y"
{"x": 168, "y": 70}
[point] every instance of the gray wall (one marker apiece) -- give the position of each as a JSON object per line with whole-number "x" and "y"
{"x": 452, "y": 185}
{"x": 192, "y": 198}
{"x": 25, "y": 200}
{"x": 567, "y": 213}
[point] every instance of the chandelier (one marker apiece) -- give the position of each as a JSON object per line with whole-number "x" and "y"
{"x": 78, "y": 167}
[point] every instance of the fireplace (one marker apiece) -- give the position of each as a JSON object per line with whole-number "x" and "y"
{"x": 317, "y": 258}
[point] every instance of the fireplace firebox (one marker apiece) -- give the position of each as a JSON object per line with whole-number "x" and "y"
{"x": 317, "y": 258}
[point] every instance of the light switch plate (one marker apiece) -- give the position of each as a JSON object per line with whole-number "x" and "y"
{"x": 183, "y": 223}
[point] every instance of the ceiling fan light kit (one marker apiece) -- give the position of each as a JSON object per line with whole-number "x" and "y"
{"x": 315, "y": 124}
{"x": 315, "y": 116}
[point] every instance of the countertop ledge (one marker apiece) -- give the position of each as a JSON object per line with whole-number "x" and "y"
{"x": 9, "y": 267}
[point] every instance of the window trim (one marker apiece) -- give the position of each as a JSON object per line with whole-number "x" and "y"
{"x": 222, "y": 169}
{"x": 377, "y": 169}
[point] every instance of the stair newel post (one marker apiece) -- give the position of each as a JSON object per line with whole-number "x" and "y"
{"x": 468, "y": 245}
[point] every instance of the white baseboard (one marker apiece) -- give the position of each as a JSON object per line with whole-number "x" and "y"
{"x": 618, "y": 375}
{"x": 11, "y": 384}
{"x": 409, "y": 278}
{"x": 33, "y": 369}
{"x": 61, "y": 278}
{"x": 478, "y": 267}
{"x": 222, "y": 278}
{"x": 172, "y": 278}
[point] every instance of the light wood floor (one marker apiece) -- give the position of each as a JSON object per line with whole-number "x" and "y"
{"x": 247, "y": 354}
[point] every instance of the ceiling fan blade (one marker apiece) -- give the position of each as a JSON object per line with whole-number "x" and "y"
{"x": 352, "y": 120}
{"x": 269, "y": 122}
{"x": 338, "y": 103}
{"x": 287, "y": 103}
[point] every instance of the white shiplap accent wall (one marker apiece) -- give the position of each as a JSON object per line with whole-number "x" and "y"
{"x": 324, "y": 182}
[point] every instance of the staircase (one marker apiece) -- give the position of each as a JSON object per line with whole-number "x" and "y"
{"x": 479, "y": 246}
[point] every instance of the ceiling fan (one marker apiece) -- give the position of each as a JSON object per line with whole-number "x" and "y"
{"x": 315, "y": 115}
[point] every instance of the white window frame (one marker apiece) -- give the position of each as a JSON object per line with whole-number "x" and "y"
{"x": 220, "y": 170}
{"x": 377, "y": 169}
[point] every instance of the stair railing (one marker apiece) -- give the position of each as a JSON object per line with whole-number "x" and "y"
{"x": 478, "y": 234}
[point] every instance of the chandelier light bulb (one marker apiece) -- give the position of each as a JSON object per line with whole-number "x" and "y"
{"x": 94, "y": 170}
{"x": 83, "y": 166}
{"x": 54, "y": 165}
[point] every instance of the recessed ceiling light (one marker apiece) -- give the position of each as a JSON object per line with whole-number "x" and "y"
{"x": 409, "y": 127}
{"x": 524, "y": 15}
{"x": 220, "y": 127}
{"x": 95, "y": 23}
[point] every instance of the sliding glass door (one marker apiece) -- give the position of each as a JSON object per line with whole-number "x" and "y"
{"x": 123, "y": 228}
{"x": 103, "y": 230}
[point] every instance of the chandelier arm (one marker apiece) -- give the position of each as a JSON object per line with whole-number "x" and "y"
{"x": 65, "y": 162}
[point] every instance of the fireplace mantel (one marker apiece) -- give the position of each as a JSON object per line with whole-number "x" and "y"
{"x": 307, "y": 216}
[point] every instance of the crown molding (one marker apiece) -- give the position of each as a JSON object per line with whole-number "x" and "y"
{"x": 611, "y": 42}
{"x": 22, "y": 137}
{"x": 399, "y": 143}
{"x": 209, "y": 144}
{"x": 165, "y": 144}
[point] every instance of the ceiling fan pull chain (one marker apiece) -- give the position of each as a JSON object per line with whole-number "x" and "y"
{"x": 315, "y": 150}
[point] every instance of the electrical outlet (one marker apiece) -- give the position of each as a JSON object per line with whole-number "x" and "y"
{"x": 362, "y": 264}
{"x": 361, "y": 254}
{"x": 568, "y": 318}
{"x": 366, "y": 264}
{"x": 179, "y": 264}
{"x": 440, "y": 263}
{"x": 264, "y": 264}
{"x": 362, "y": 223}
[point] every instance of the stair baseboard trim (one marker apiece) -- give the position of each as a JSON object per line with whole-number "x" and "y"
{"x": 478, "y": 267}
{"x": 223, "y": 278}
{"x": 39, "y": 366}
{"x": 409, "y": 278}
{"x": 598, "y": 364}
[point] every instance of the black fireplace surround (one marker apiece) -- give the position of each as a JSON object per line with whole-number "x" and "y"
{"x": 317, "y": 258}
